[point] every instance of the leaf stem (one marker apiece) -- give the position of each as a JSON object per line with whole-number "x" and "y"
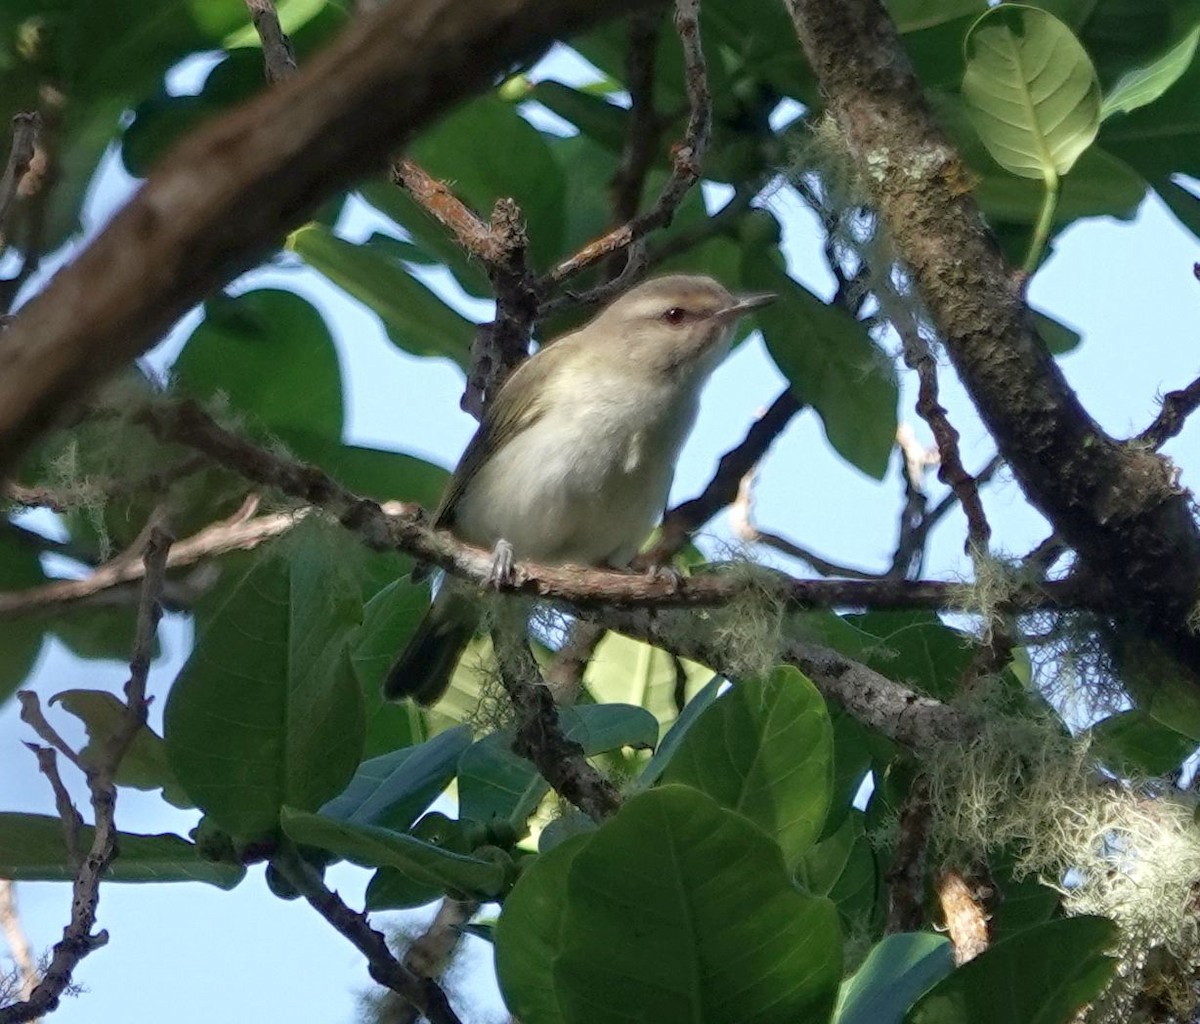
{"x": 1041, "y": 231}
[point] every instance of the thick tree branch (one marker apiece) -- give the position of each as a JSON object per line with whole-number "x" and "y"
{"x": 540, "y": 738}
{"x": 279, "y": 59}
{"x": 1115, "y": 504}
{"x": 230, "y": 191}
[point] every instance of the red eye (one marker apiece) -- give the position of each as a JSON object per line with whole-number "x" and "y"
{"x": 675, "y": 316}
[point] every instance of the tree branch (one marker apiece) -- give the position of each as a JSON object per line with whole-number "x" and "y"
{"x": 1113, "y": 503}
{"x": 423, "y": 993}
{"x": 1177, "y": 406}
{"x": 230, "y": 190}
{"x": 25, "y": 127}
{"x": 78, "y": 938}
{"x": 279, "y": 59}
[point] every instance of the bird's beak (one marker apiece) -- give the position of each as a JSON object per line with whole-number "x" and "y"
{"x": 744, "y": 304}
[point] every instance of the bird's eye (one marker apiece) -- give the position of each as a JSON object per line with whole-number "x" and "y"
{"x": 675, "y": 316}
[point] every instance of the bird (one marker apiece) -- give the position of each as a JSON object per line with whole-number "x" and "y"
{"x": 573, "y": 459}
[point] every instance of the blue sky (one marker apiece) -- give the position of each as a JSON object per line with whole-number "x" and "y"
{"x": 189, "y": 952}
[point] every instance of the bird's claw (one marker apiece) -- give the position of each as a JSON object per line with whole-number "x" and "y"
{"x": 500, "y": 574}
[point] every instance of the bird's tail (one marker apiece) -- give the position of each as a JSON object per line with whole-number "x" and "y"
{"x": 424, "y": 667}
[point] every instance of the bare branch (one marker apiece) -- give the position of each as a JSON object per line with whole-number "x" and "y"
{"x": 423, "y": 993}
{"x": 279, "y": 59}
{"x": 905, "y": 876}
{"x": 428, "y": 955}
{"x": 1177, "y": 406}
{"x": 540, "y": 738}
{"x": 78, "y": 938}
{"x": 14, "y": 935}
{"x": 235, "y": 534}
{"x": 683, "y": 520}
{"x": 641, "y": 138}
{"x": 686, "y": 163}
{"x": 25, "y": 126}
{"x": 234, "y": 187}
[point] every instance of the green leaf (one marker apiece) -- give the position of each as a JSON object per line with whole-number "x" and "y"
{"x": 914, "y": 648}
{"x": 21, "y": 638}
{"x": 390, "y": 618}
{"x": 1134, "y": 743}
{"x": 844, "y": 868}
{"x": 722, "y": 934}
{"x": 384, "y": 475}
{"x": 529, "y": 934}
{"x": 32, "y": 848}
{"x": 1041, "y": 975}
{"x": 263, "y": 350}
{"x": 415, "y": 319}
{"x": 1143, "y": 85}
{"x": 267, "y": 711}
{"x": 395, "y": 789}
{"x": 691, "y": 714}
{"x": 765, "y": 750}
{"x": 631, "y": 672}
{"x": 896, "y": 972}
{"x": 1058, "y": 337}
{"x": 145, "y": 764}
{"x": 1031, "y": 90}
{"x": 600, "y": 120}
{"x": 493, "y": 782}
{"x": 418, "y": 861}
{"x": 831, "y": 363}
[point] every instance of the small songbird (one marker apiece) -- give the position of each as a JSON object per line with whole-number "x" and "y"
{"x": 574, "y": 457}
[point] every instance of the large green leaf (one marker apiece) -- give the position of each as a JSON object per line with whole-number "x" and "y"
{"x": 419, "y": 861}
{"x": 393, "y": 789}
{"x": 270, "y": 353}
{"x": 895, "y": 973}
{"x": 32, "y": 848}
{"x": 374, "y": 273}
{"x": 719, "y": 933}
{"x": 1031, "y": 90}
{"x": 145, "y": 764}
{"x": 529, "y": 935}
{"x": 831, "y": 363}
{"x": 914, "y": 648}
{"x": 682, "y": 725}
{"x": 765, "y": 750}
{"x": 1134, "y": 743}
{"x": 845, "y": 868}
{"x": 632, "y": 672}
{"x": 1041, "y": 975}
{"x": 267, "y": 711}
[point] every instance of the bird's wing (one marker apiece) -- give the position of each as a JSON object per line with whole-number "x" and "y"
{"x": 507, "y": 415}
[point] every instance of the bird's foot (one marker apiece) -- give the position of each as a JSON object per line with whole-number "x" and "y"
{"x": 501, "y": 572}
{"x": 660, "y": 571}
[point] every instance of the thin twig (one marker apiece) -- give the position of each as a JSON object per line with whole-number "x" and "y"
{"x": 684, "y": 519}
{"x": 1177, "y": 406}
{"x": 429, "y": 954}
{"x": 279, "y": 59}
{"x": 540, "y": 738}
{"x": 14, "y": 935}
{"x": 641, "y": 137}
{"x": 743, "y": 526}
{"x": 423, "y": 993}
{"x": 25, "y": 128}
{"x": 234, "y": 534}
{"x": 78, "y": 937}
{"x": 687, "y": 160}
